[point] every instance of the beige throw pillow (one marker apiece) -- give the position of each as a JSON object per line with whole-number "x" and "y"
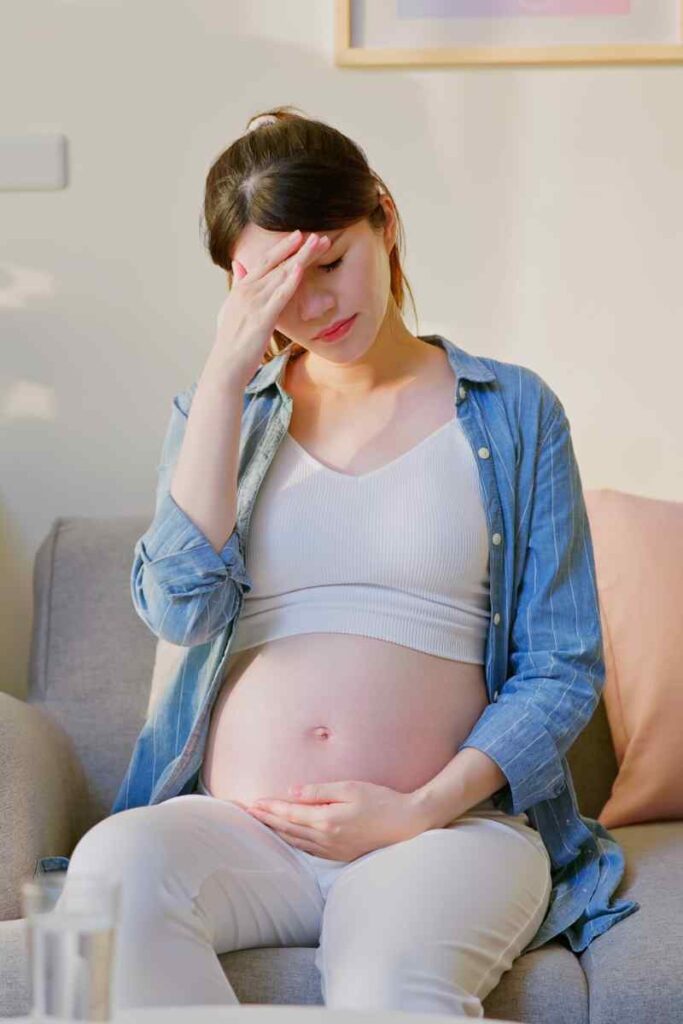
{"x": 638, "y": 546}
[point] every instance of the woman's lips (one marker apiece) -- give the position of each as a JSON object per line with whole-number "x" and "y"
{"x": 339, "y": 331}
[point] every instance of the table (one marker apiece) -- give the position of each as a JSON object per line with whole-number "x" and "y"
{"x": 253, "y": 1013}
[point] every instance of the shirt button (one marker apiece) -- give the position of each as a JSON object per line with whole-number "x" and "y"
{"x": 496, "y": 538}
{"x": 483, "y": 453}
{"x": 462, "y": 391}
{"x": 496, "y": 618}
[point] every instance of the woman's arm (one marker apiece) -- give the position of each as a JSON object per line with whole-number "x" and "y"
{"x": 183, "y": 587}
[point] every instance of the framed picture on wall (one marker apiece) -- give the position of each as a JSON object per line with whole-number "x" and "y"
{"x": 373, "y": 33}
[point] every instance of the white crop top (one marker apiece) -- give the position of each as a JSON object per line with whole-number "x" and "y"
{"x": 399, "y": 553}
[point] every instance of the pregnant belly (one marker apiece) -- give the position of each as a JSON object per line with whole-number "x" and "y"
{"x": 327, "y": 707}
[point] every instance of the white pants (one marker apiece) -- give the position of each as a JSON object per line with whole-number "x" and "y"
{"x": 428, "y": 924}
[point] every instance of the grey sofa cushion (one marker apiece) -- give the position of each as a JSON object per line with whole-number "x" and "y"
{"x": 634, "y": 970}
{"x": 546, "y": 986}
{"x": 15, "y": 995}
{"x": 91, "y": 656}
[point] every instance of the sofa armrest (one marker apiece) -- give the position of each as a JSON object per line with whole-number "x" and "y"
{"x": 43, "y": 796}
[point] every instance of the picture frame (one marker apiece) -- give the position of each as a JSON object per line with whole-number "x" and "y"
{"x": 433, "y": 33}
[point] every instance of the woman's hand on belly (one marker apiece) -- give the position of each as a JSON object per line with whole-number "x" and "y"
{"x": 342, "y": 820}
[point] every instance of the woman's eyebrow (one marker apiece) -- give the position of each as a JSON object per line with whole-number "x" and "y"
{"x": 334, "y": 238}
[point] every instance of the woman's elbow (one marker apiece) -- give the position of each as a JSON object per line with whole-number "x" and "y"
{"x": 187, "y": 620}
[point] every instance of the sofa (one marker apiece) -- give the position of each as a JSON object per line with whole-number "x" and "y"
{"x": 64, "y": 750}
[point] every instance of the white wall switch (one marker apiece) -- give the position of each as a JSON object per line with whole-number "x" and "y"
{"x": 32, "y": 162}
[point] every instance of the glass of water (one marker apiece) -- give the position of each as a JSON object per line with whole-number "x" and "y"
{"x": 71, "y": 926}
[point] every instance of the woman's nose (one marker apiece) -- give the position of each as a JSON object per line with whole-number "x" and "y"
{"x": 313, "y": 301}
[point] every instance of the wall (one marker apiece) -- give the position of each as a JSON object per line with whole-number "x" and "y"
{"x": 543, "y": 217}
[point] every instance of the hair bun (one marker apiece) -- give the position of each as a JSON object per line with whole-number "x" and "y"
{"x": 261, "y": 119}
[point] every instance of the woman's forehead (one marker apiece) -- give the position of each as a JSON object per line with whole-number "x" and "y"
{"x": 255, "y": 242}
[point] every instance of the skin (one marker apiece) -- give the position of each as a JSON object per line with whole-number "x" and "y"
{"x": 343, "y": 820}
{"x": 380, "y": 351}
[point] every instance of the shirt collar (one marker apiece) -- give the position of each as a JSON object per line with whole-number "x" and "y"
{"x": 466, "y": 366}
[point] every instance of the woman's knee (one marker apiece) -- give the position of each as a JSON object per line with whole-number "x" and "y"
{"x": 132, "y": 843}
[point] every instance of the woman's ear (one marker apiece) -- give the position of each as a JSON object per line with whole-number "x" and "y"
{"x": 390, "y": 228}
{"x": 238, "y": 270}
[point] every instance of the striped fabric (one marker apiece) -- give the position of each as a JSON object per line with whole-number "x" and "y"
{"x": 544, "y": 655}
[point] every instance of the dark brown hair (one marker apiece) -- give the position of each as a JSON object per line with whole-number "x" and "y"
{"x": 292, "y": 172}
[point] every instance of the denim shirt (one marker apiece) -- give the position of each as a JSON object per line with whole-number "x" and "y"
{"x": 544, "y": 662}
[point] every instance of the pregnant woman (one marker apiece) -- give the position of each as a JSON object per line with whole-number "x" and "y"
{"x": 372, "y": 552}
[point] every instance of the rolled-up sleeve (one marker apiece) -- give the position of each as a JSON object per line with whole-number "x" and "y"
{"x": 182, "y": 588}
{"x": 556, "y": 660}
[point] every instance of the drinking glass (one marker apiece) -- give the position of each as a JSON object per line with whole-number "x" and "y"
{"x": 71, "y": 925}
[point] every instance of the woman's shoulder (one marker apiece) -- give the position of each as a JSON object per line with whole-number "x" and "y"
{"x": 527, "y": 396}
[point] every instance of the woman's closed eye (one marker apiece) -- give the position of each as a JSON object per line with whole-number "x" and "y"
{"x": 329, "y": 267}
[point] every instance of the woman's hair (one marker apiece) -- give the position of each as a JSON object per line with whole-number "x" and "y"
{"x": 288, "y": 172}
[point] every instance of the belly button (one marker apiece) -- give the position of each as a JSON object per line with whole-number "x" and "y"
{"x": 322, "y": 732}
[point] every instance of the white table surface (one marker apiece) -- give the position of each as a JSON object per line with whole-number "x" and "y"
{"x": 268, "y": 1013}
